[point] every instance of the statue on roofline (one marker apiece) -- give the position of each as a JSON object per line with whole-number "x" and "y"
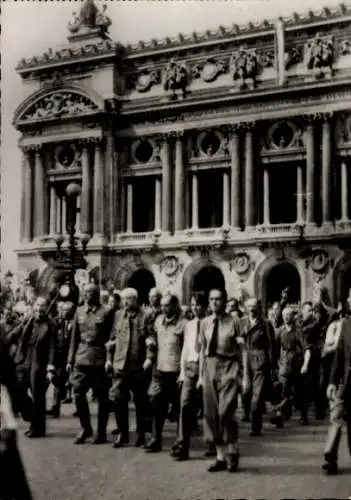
{"x": 89, "y": 18}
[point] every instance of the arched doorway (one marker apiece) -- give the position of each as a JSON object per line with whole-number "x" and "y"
{"x": 207, "y": 278}
{"x": 284, "y": 275}
{"x": 142, "y": 280}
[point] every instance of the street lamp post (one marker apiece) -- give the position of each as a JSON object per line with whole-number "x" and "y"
{"x": 73, "y": 258}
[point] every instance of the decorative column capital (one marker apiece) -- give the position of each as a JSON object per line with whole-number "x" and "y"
{"x": 26, "y": 149}
{"x": 247, "y": 126}
{"x": 327, "y": 117}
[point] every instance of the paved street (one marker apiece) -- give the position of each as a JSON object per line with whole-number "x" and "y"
{"x": 281, "y": 464}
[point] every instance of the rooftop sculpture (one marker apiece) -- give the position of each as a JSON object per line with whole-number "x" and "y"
{"x": 90, "y": 18}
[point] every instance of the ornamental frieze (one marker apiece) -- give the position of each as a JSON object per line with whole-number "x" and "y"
{"x": 59, "y": 104}
{"x": 319, "y": 56}
{"x": 175, "y": 79}
{"x": 210, "y": 69}
{"x": 241, "y": 264}
{"x": 170, "y": 266}
{"x": 283, "y": 134}
{"x": 319, "y": 261}
{"x": 244, "y": 67}
{"x": 343, "y": 129}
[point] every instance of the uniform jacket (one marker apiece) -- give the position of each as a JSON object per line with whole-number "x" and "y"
{"x": 45, "y": 348}
{"x": 168, "y": 342}
{"x": 230, "y": 332}
{"x": 120, "y": 338}
{"x": 91, "y": 329}
{"x": 260, "y": 343}
{"x": 340, "y": 374}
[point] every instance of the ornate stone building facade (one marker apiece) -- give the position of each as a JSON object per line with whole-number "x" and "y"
{"x": 215, "y": 158}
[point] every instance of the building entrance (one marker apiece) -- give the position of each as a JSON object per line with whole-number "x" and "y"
{"x": 142, "y": 280}
{"x": 207, "y": 278}
{"x": 284, "y": 275}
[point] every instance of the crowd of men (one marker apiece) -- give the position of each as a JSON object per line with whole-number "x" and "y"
{"x": 180, "y": 363}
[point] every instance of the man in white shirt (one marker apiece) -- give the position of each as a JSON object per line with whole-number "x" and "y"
{"x": 188, "y": 378}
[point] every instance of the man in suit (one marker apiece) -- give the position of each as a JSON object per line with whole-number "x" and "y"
{"x": 64, "y": 323}
{"x": 87, "y": 357}
{"x": 222, "y": 355}
{"x": 126, "y": 361}
{"x": 34, "y": 359}
{"x": 262, "y": 357}
{"x": 339, "y": 394}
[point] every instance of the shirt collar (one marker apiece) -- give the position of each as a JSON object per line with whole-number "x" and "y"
{"x": 170, "y": 321}
{"x": 92, "y": 309}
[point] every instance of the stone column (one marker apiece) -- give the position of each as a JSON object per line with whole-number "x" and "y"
{"x": 129, "y": 207}
{"x": 63, "y": 215}
{"x": 226, "y": 206}
{"x": 53, "y": 210}
{"x": 266, "y": 200}
{"x": 158, "y": 198}
{"x": 85, "y": 216}
{"x": 344, "y": 193}
{"x": 179, "y": 190}
{"x": 39, "y": 190}
{"x": 299, "y": 196}
{"x": 26, "y": 201}
{"x": 166, "y": 184}
{"x": 195, "y": 202}
{"x": 98, "y": 192}
{"x": 310, "y": 171}
{"x": 326, "y": 169}
{"x": 249, "y": 179}
{"x": 235, "y": 180}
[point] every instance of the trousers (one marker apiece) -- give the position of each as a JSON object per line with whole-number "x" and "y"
{"x": 339, "y": 417}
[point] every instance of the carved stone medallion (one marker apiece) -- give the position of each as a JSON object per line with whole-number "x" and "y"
{"x": 170, "y": 266}
{"x": 241, "y": 263}
{"x": 319, "y": 261}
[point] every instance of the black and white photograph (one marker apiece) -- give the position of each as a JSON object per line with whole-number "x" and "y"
{"x": 175, "y": 250}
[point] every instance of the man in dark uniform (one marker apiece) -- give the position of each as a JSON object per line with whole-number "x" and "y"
{"x": 260, "y": 343}
{"x": 87, "y": 356}
{"x": 339, "y": 394}
{"x": 126, "y": 360}
{"x": 64, "y": 323}
{"x": 34, "y": 359}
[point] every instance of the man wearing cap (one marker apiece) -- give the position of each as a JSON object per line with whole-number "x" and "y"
{"x": 87, "y": 357}
{"x": 127, "y": 362}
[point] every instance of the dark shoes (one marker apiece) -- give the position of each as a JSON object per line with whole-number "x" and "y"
{"x": 140, "y": 441}
{"x": 53, "y": 412}
{"x": 232, "y": 462}
{"x": 303, "y": 421}
{"x": 180, "y": 453}
{"x": 330, "y": 468}
{"x": 255, "y": 433}
{"x": 120, "y": 441}
{"x": 217, "y": 466}
{"x": 100, "y": 439}
{"x": 154, "y": 446}
{"x": 83, "y": 436}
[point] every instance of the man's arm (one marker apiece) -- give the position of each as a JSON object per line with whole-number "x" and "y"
{"x": 52, "y": 346}
{"x": 338, "y": 366}
{"x": 75, "y": 337}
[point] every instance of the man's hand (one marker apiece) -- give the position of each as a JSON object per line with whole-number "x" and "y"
{"x": 304, "y": 369}
{"x": 50, "y": 376}
{"x": 245, "y": 385}
{"x": 108, "y": 367}
{"x": 331, "y": 392}
{"x": 68, "y": 368}
{"x": 147, "y": 364}
{"x": 199, "y": 383}
{"x": 180, "y": 380}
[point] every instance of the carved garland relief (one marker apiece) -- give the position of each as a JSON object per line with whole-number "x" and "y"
{"x": 59, "y": 104}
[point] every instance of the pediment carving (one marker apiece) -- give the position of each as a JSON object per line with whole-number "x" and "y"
{"x": 58, "y": 104}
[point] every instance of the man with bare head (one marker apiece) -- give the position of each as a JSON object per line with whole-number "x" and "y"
{"x": 260, "y": 343}
{"x": 34, "y": 359}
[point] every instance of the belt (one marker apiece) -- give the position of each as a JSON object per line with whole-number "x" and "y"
{"x": 224, "y": 357}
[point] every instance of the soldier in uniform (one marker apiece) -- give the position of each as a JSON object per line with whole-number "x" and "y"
{"x": 222, "y": 355}
{"x": 127, "y": 363}
{"x": 86, "y": 360}
{"x": 64, "y": 328}
{"x": 34, "y": 359}
{"x": 260, "y": 342}
{"x": 167, "y": 343}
